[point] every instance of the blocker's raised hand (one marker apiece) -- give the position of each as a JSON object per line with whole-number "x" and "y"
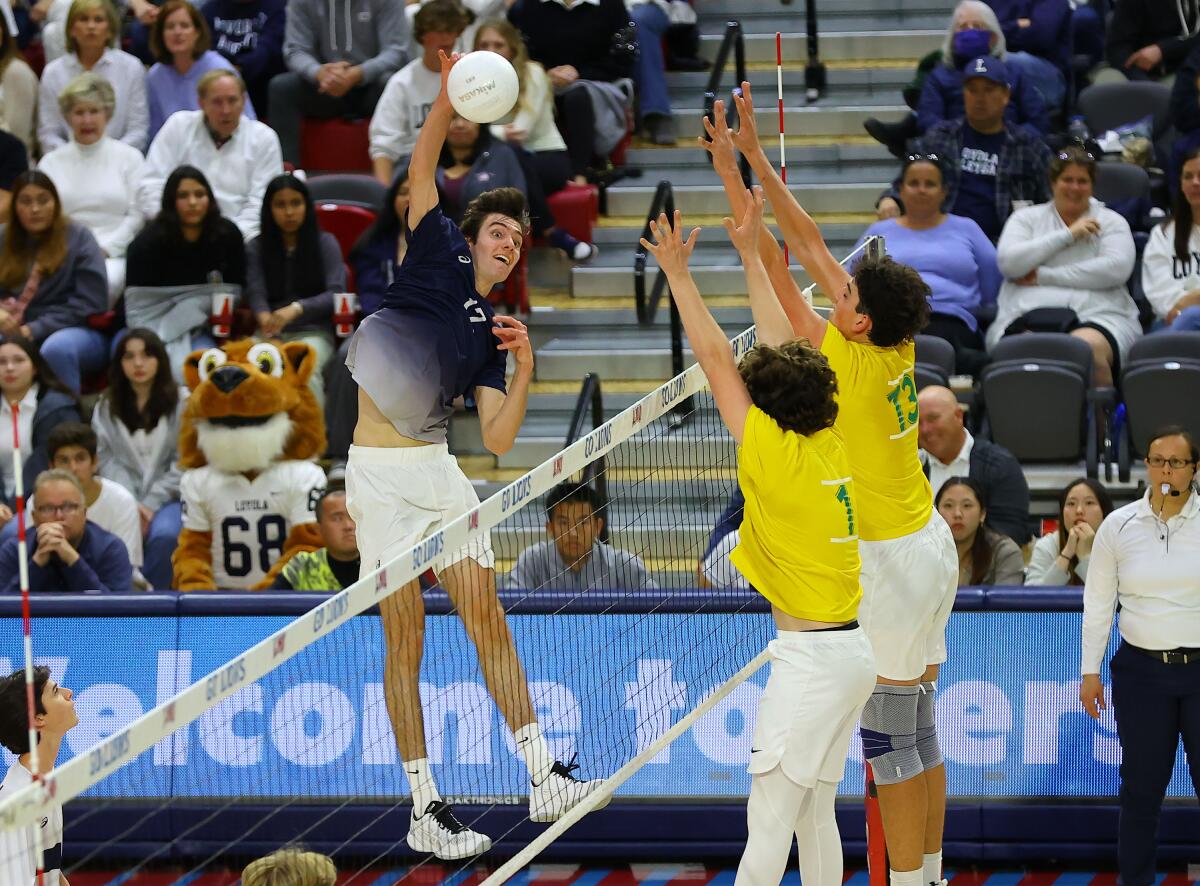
{"x": 719, "y": 143}
{"x": 670, "y": 250}
{"x": 744, "y": 235}
{"x": 746, "y": 136}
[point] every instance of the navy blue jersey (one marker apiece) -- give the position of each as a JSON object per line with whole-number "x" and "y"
{"x": 432, "y": 340}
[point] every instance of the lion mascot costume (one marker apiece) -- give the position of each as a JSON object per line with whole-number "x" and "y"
{"x": 249, "y": 433}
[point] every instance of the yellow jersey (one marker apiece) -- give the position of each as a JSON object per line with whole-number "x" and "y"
{"x": 799, "y": 535}
{"x": 877, "y": 415}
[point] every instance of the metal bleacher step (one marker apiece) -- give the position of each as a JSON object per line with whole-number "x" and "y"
{"x": 870, "y": 43}
{"x": 626, "y": 198}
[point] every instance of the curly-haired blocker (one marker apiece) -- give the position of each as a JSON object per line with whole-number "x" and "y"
{"x": 793, "y": 384}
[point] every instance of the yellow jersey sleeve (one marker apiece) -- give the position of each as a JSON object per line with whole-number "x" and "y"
{"x": 798, "y": 545}
{"x": 877, "y": 417}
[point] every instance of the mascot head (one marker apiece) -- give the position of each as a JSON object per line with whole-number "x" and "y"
{"x": 250, "y": 406}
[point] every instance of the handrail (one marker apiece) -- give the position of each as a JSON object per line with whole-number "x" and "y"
{"x": 647, "y": 305}
{"x": 814, "y": 71}
{"x": 733, "y": 39}
{"x": 595, "y": 473}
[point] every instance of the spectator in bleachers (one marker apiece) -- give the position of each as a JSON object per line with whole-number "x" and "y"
{"x": 985, "y": 557}
{"x": 974, "y": 32}
{"x": 18, "y": 91}
{"x": 952, "y": 255}
{"x": 97, "y": 176}
{"x": 473, "y": 162}
{"x": 180, "y": 40}
{"x": 249, "y": 33}
{"x": 68, "y": 552}
{"x": 52, "y": 279}
{"x": 1066, "y": 264}
{"x": 93, "y": 33}
{"x": 948, "y": 450}
{"x": 189, "y": 243}
{"x": 584, "y": 47}
{"x": 1149, "y": 39}
{"x": 340, "y": 54}
{"x": 533, "y": 135}
{"x": 1171, "y": 261}
{"x": 574, "y": 559}
{"x": 1185, "y": 95}
{"x": 1061, "y": 557}
{"x": 410, "y": 92}
{"x": 1037, "y": 36}
{"x": 43, "y": 403}
{"x": 989, "y": 164}
{"x": 137, "y": 423}
{"x": 651, "y": 20}
{"x": 112, "y": 507}
{"x": 293, "y": 269}
{"x": 375, "y": 259}
{"x": 13, "y": 161}
{"x": 238, "y": 156}
{"x": 333, "y": 566}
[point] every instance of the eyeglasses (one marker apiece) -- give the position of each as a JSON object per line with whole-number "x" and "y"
{"x": 1157, "y": 461}
{"x": 66, "y": 509}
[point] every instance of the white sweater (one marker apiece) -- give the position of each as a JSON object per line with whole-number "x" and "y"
{"x": 535, "y": 113}
{"x": 130, "y": 120}
{"x": 1088, "y": 275}
{"x": 401, "y": 112}
{"x": 98, "y": 184}
{"x": 238, "y": 171}
{"x": 1165, "y": 278}
{"x": 1043, "y": 568}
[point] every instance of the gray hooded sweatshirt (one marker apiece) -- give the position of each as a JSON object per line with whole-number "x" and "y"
{"x": 371, "y": 33}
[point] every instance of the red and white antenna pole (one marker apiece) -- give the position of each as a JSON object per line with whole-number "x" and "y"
{"x": 779, "y": 102}
{"x": 27, "y": 625}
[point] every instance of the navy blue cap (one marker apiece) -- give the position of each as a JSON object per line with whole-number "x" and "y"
{"x": 987, "y": 66}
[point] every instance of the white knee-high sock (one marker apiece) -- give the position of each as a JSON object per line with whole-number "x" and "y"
{"x": 906, "y": 878}
{"x": 420, "y": 782}
{"x": 933, "y": 867}
{"x": 533, "y": 748}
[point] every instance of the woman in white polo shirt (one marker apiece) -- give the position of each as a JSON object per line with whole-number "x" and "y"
{"x": 1146, "y": 557}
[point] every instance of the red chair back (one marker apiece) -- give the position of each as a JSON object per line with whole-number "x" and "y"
{"x": 334, "y": 145}
{"x": 346, "y": 223}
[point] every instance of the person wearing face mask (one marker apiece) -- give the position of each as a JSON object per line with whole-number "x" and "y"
{"x": 1061, "y": 557}
{"x": 974, "y": 31}
{"x": 1146, "y": 559}
{"x": 1066, "y": 263}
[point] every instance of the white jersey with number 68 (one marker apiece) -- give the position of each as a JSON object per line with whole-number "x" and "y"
{"x": 249, "y": 519}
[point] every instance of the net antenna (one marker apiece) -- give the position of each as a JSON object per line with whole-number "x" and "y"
{"x": 39, "y": 848}
{"x": 634, "y": 445}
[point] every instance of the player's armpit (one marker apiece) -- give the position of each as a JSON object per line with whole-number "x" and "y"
{"x": 303, "y": 537}
{"x": 192, "y": 561}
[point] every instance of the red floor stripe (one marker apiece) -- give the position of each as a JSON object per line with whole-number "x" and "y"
{"x": 1039, "y": 878}
{"x": 1106, "y": 879}
{"x": 971, "y": 878}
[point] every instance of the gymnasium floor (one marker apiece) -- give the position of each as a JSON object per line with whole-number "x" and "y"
{"x": 637, "y": 875}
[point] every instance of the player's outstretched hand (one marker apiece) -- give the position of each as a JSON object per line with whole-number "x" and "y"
{"x": 719, "y": 143}
{"x": 448, "y": 62}
{"x": 670, "y": 250}
{"x": 514, "y": 336}
{"x": 744, "y": 235}
{"x": 746, "y": 137}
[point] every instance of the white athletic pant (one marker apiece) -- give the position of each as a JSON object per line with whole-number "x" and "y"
{"x": 779, "y": 808}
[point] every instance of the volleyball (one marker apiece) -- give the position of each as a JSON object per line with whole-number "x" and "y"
{"x": 483, "y": 86}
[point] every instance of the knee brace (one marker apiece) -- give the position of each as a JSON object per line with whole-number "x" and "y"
{"x": 889, "y": 733}
{"x": 927, "y": 742}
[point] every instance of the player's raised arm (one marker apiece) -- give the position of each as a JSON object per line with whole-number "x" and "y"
{"x": 799, "y": 231}
{"x": 719, "y": 145}
{"x": 422, "y": 166}
{"x": 706, "y": 337}
{"x": 773, "y": 326}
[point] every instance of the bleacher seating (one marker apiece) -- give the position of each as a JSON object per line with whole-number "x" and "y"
{"x": 1160, "y": 383}
{"x": 334, "y": 145}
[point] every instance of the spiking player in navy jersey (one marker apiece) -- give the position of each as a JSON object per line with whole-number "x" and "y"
{"x": 435, "y": 339}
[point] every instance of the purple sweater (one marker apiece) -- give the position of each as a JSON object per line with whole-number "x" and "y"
{"x": 956, "y": 259}
{"x": 168, "y": 91}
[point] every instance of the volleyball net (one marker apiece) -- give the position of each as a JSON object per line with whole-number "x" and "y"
{"x": 266, "y": 731}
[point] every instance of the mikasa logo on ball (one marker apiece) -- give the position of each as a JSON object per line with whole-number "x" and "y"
{"x": 481, "y": 89}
